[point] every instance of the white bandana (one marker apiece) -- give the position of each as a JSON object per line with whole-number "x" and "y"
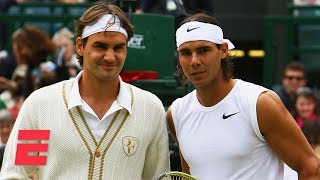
{"x": 107, "y": 22}
{"x": 195, "y": 31}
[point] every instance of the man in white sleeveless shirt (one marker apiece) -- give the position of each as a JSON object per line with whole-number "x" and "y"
{"x": 100, "y": 127}
{"x": 229, "y": 129}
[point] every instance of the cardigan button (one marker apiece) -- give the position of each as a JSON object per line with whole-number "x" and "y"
{"x": 97, "y": 154}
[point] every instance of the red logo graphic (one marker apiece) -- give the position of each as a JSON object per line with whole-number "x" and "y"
{"x": 23, "y": 150}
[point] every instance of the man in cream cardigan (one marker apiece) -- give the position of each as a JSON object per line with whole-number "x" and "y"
{"x": 100, "y": 127}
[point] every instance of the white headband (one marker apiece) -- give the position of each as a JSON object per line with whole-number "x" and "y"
{"x": 107, "y": 22}
{"x": 195, "y": 31}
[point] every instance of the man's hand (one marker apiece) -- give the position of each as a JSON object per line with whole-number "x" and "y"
{"x": 4, "y": 83}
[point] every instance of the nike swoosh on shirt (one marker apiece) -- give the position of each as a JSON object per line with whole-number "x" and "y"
{"x": 227, "y": 116}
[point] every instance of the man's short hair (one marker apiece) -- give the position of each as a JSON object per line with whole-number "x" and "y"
{"x": 294, "y": 66}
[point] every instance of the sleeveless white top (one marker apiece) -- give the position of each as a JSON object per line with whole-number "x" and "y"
{"x": 224, "y": 141}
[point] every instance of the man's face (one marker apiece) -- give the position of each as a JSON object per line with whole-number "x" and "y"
{"x": 201, "y": 61}
{"x": 5, "y": 130}
{"x": 103, "y": 55}
{"x": 292, "y": 80}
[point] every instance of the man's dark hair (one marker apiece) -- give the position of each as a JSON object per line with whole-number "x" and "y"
{"x": 294, "y": 66}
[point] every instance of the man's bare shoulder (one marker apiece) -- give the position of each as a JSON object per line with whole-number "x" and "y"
{"x": 271, "y": 112}
{"x": 269, "y": 99}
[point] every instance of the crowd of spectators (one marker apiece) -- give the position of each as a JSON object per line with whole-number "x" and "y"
{"x": 302, "y": 100}
{"x": 38, "y": 61}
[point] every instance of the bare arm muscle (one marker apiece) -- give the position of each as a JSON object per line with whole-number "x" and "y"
{"x": 184, "y": 165}
{"x": 285, "y": 137}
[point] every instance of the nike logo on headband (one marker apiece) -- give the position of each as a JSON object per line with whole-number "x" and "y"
{"x": 188, "y": 30}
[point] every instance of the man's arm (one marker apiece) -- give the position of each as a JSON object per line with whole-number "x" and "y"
{"x": 157, "y": 156}
{"x": 285, "y": 137}
{"x": 184, "y": 166}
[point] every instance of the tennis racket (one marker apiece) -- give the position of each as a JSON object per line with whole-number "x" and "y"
{"x": 175, "y": 175}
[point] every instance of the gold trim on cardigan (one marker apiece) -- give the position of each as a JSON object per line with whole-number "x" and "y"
{"x": 96, "y": 153}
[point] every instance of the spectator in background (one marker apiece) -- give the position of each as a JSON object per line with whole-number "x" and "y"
{"x": 294, "y": 76}
{"x": 13, "y": 86}
{"x": 32, "y": 47}
{"x": 306, "y": 115}
{"x": 6, "y": 125}
{"x": 7, "y": 66}
{"x": 67, "y": 62}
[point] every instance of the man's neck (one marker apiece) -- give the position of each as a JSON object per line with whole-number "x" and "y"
{"x": 212, "y": 94}
{"x": 99, "y": 95}
{"x": 98, "y": 89}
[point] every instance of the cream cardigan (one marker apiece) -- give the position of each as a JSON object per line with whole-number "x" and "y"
{"x": 135, "y": 146}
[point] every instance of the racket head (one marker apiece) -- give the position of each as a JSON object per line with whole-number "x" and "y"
{"x": 175, "y": 175}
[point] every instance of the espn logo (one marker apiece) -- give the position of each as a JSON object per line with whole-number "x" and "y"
{"x": 23, "y": 149}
